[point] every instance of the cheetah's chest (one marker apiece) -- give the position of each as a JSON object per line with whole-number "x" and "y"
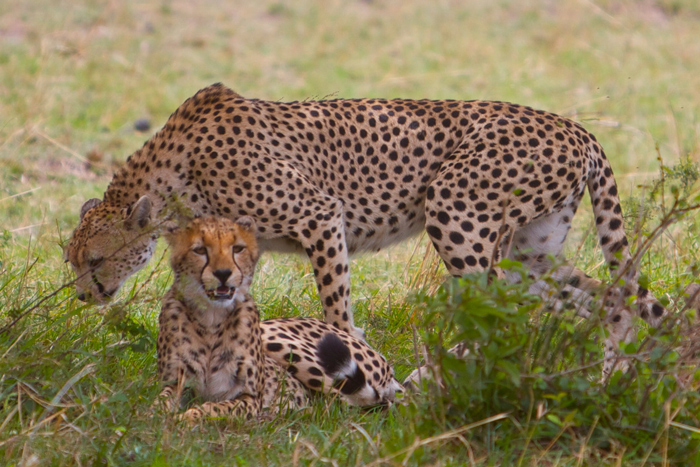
{"x": 217, "y": 367}
{"x": 216, "y": 357}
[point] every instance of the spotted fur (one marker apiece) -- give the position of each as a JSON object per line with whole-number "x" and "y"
{"x": 212, "y": 341}
{"x": 487, "y": 180}
{"x": 329, "y": 358}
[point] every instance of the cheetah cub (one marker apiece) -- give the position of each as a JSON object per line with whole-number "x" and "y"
{"x": 212, "y": 341}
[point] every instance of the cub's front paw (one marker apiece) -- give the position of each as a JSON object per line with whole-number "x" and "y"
{"x": 191, "y": 416}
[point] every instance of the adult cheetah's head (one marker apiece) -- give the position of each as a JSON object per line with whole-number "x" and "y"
{"x": 214, "y": 260}
{"x": 108, "y": 246}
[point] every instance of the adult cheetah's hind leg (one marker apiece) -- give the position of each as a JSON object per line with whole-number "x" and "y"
{"x": 468, "y": 225}
{"x": 538, "y": 246}
{"x": 535, "y": 244}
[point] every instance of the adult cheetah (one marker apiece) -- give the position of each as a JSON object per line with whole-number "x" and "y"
{"x": 211, "y": 335}
{"x": 487, "y": 180}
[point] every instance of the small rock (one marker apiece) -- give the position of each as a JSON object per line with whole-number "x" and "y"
{"x": 142, "y": 124}
{"x": 94, "y": 155}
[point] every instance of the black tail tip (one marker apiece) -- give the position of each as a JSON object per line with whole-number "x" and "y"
{"x": 333, "y": 353}
{"x": 336, "y": 360}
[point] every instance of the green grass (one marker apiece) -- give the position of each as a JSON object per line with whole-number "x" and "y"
{"x": 76, "y": 382}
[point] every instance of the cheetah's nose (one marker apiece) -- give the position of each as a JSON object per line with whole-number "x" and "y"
{"x": 222, "y": 275}
{"x": 82, "y": 297}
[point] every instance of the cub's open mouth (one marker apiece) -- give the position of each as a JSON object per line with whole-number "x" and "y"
{"x": 221, "y": 293}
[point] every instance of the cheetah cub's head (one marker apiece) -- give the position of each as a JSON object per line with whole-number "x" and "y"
{"x": 109, "y": 245}
{"x": 214, "y": 260}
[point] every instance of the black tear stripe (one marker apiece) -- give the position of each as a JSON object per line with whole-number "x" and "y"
{"x": 100, "y": 287}
{"x": 206, "y": 263}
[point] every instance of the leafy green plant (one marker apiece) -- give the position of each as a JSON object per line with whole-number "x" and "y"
{"x": 543, "y": 370}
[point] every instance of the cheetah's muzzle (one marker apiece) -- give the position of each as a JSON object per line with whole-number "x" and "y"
{"x": 221, "y": 293}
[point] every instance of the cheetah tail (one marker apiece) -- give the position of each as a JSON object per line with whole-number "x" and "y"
{"x": 337, "y": 361}
{"x": 611, "y": 233}
{"x": 608, "y": 214}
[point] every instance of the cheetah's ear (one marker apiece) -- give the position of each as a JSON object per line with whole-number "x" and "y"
{"x": 140, "y": 214}
{"x": 247, "y": 222}
{"x": 89, "y": 204}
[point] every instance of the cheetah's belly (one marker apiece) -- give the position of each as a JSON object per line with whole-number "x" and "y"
{"x": 373, "y": 236}
{"x": 280, "y": 245}
{"x": 217, "y": 365}
{"x": 359, "y": 237}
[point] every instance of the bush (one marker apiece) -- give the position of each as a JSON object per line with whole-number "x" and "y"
{"x": 544, "y": 371}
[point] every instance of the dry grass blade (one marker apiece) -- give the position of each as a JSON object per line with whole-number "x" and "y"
{"x": 663, "y": 431}
{"x": 9, "y": 417}
{"x": 427, "y": 277}
{"x": 683, "y": 426}
{"x": 297, "y": 451}
{"x": 90, "y": 367}
{"x": 27, "y": 227}
{"x": 65, "y": 148}
{"x": 35, "y": 427}
{"x": 17, "y": 195}
{"x": 14, "y": 343}
{"x": 582, "y": 449}
{"x": 366, "y": 435}
{"x": 448, "y": 435}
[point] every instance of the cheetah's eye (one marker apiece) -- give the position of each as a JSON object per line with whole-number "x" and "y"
{"x": 237, "y": 249}
{"x": 200, "y": 250}
{"x": 95, "y": 262}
